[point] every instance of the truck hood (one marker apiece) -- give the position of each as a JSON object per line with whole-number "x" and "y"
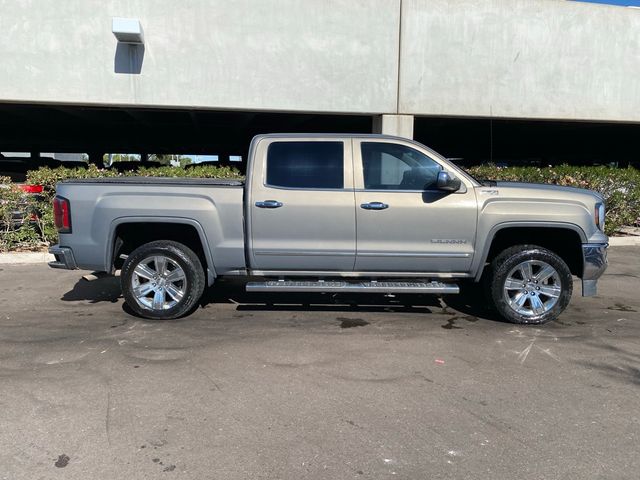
{"x": 549, "y": 192}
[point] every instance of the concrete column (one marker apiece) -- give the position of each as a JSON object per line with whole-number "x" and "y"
{"x": 398, "y": 125}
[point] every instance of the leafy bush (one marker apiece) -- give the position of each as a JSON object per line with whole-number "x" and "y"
{"x": 48, "y": 178}
{"x": 619, "y": 187}
{"x": 17, "y": 229}
{"x": 202, "y": 171}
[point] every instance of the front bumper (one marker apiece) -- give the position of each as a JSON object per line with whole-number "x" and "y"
{"x": 64, "y": 258}
{"x": 595, "y": 263}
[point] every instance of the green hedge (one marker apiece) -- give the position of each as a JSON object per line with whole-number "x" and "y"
{"x": 620, "y": 188}
{"x": 48, "y": 177}
{"x": 39, "y": 230}
{"x": 28, "y": 236}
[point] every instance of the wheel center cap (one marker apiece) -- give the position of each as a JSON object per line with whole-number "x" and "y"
{"x": 532, "y": 288}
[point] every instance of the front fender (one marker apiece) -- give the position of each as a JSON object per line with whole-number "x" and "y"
{"x": 480, "y": 260}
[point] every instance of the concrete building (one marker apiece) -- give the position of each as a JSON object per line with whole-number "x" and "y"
{"x": 551, "y": 80}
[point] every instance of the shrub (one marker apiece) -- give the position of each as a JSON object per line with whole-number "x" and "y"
{"x": 17, "y": 231}
{"x": 203, "y": 171}
{"x": 48, "y": 178}
{"x": 619, "y": 187}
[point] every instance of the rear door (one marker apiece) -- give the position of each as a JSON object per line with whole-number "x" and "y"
{"x": 404, "y": 223}
{"x": 302, "y": 210}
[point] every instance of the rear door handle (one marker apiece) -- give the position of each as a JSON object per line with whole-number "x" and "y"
{"x": 269, "y": 204}
{"x": 374, "y": 206}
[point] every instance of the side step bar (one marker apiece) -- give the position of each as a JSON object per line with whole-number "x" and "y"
{"x": 338, "y": 286}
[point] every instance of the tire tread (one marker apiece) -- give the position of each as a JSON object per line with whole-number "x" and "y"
{"x": 510, "y": 257}
{"x": 189, "y": 262}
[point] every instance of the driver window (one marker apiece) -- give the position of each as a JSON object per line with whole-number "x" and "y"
{"x": 389, "y": 166}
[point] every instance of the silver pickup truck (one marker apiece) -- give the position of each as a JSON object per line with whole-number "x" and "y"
{"x": 335, "y": 213}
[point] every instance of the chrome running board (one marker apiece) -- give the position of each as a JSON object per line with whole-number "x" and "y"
{"x": 337, "y": 286}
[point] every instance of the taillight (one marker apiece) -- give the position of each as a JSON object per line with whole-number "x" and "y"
{"x": 61, "y": 214}
{"x": 31, "y": 188}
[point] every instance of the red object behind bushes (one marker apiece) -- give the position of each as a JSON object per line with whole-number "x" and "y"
{"x": 31, "y": 188}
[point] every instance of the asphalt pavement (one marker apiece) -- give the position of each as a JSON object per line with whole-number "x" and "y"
{"x": 316, "y": 386}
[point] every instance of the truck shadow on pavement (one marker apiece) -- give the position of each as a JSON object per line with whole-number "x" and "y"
{"x": 102, "y": 289}
{"x": 233, "y": 292}
{"x": 107, "y": 289}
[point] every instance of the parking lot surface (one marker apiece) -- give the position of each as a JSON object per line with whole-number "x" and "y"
{"x": 317, "y": 387}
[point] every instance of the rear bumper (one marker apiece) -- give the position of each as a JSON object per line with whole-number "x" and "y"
{"x": 64, "y": 258}
{"x": 595, "y": 263}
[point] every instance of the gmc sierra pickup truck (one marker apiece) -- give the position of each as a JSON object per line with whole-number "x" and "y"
{"x": 335, "y": 213}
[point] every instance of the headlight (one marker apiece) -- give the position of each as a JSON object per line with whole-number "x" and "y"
{"x": 599, "y": 215}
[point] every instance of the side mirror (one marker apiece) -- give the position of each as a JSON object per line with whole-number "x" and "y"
{"x": 447, "y": 183}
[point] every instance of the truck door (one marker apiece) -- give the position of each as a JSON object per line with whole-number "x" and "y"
{"x": 404, "y": 223}
{"x": 302, "y": 210}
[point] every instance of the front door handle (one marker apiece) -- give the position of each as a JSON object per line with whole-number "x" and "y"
{"x": 269, "y": 204}
{"x": 374, "y": 206}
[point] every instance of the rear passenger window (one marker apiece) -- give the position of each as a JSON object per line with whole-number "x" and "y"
{"x": 305, "y": 165}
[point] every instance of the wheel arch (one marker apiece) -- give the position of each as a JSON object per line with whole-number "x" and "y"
{"x": 564, "y": 239}
{"x": 127, "y": 233}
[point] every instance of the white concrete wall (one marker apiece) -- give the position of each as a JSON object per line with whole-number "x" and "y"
{"x": 504, "y": 58}
{"x": 520, "y": 58}
{"x": 298, "y": 55}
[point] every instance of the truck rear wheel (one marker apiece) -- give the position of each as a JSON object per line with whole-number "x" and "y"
{"x": 530, "y": 284}
{"x": 162, "y": 280}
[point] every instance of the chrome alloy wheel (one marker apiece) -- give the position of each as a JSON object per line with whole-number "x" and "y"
{"x": 158, "y": 283}
{"x": 532, "y": 288}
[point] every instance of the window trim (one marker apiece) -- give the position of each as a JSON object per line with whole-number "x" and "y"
{"x": 382, "y": 190}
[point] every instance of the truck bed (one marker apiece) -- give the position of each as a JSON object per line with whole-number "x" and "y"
{"x": 100, "y": 206}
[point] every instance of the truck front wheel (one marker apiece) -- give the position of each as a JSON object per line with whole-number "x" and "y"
{"x": 162, "y": 280}
{"x": 530, "y": 284}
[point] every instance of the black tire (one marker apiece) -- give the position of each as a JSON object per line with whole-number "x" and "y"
{"x": 506, "y": 301}
{"x": 177, "y": 255}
